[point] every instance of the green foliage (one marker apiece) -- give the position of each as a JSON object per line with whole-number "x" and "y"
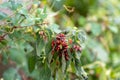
{"x": 31, "y": 62}
{"x": 41, "y": 50}
{"x": 30, "y": 38}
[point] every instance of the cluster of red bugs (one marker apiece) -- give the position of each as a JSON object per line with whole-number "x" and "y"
{"x": 60, "y": 45}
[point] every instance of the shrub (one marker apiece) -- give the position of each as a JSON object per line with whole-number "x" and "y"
{"x": 41, "y": 50}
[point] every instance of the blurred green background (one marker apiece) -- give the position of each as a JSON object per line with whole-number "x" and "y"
{"x": 101, "y": 21}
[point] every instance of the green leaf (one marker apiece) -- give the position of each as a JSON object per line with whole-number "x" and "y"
{"x": 15, "y": 5}
{"x": 50, "y": 57}
{"x": 78, "y": 55}
{"x": 45, "y": 73}
{"x": 49, "y": 33}
{"x": 55, "y": 28}
{"x": 40, "y": 45}
{"x": 18, "y": 56}
{"x": 79, "y": 70}
{"x": 35, "y": 74}
{"x": 60, "y": 75}
{"x": 15, "y": 20}
{"x": 48, "y": 47}
{"x": 31, "y": 62}
{"x": 11, "y": 4}
{"x": 28, "y": 37}
{"x": 28, "y": 21}
{"x": 23, "y": 11}
{"x": 81, "y": 36}
{"x": 72, "y": 66}
{"x": 27, "y": 47}
{"x": 41, "y": 13}
{"x": 83, "y": 74}
{"x": 15, "y": 34}
{"x": 48, "y": 50}
{"x": 11, "y": 74}
{"x": 3, "y": 15}
{"x": 53, "y": 66}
